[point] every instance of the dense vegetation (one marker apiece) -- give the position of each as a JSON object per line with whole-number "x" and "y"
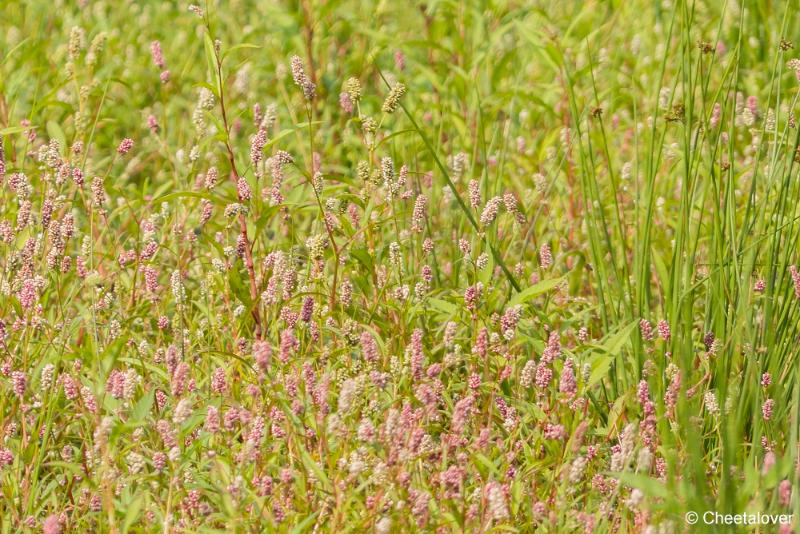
{"x": 368, "y": 266}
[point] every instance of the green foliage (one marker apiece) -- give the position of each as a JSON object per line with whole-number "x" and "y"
{"x": 572, "y": 242}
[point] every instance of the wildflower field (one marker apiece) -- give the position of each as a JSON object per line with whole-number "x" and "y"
{"x": 360, "y": 266}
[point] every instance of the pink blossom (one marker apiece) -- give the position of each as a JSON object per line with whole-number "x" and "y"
{"x": 125, "y": 146}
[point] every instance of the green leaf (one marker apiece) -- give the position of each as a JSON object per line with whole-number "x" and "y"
{"x": 312, "y": 466}
{"x": 143, "y": 406}
{"x": 11, "y": 52}
{"x": 600, "y": 368}
{"x": 611, "y": 347}
{"x": 75, "y": 468}
{"x": 211, "y": 59}
{"x": 12, "y": 130}
{"x": 534, "y": 291}
{"x": 238, "y": 47}
{"x": 304, "y": 524}
{"x": 443, "y": 306}
{"x": 132, "y": 513}
{"x": 187, "y": 194}
{"x": 614, "y": 342}
{"x": 488, "y": 464}
{"x": 55, "y": 132}
{"x": 214, "y": 90}
{"x": 614, "y": 413}
{"x": 661, "y": 269}
{"x": 281, "y": 135}
{"x": 363, "y": 256}
{"x": 238, "y": 287}
{"x": 649, "y": 486}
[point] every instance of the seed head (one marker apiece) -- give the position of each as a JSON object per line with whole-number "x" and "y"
{"x": 393, "y": 100}
{"x": 300, "y": 78}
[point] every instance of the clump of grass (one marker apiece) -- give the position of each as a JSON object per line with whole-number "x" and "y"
{"x": 475, "y": 268}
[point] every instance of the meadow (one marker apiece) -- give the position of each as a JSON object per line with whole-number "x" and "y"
{"x": 429, "y": 266}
